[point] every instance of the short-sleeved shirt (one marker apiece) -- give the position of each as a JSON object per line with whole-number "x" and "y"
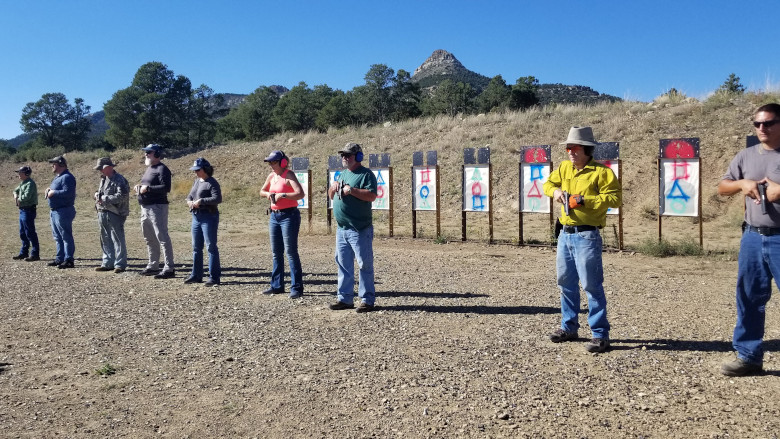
{"x": 350, "y": 212}
{"x": 755, "y": 163}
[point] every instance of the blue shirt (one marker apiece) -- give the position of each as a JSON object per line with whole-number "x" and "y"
{"x": 63, "y": 191}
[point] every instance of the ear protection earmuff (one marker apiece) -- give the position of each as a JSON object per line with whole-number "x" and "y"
{"x": 284, "y": 161}
{"x": 157, "y": 154}
{"x": 359, "y": 156}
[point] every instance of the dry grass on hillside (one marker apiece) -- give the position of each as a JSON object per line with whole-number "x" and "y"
{"x": 721, "y": 126}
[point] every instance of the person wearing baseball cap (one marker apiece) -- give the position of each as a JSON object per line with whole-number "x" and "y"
{"x": 203, "y": 201}
{"x": 112, "y": 202}
{"x": 283, "y": 190}
{"x": 61, "y": 195}
{"x": 586, "y": 189}
{"x": 153, "y": 197}
{"x": 352, "y": 193}
{"x": 26, "y": 199}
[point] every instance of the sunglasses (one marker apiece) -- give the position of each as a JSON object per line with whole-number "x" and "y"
{"x": 345, "y": 155}
{"x": 766, "y": 123}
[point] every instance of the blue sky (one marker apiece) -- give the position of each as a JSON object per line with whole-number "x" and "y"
{"x": 630, "y": 49}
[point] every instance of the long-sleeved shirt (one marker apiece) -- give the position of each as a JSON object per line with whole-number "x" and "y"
{"x": 26, "y": 193}
{"x": 114, "y": 195}
{"x": 208, "y": 192}
{"x": 62, "y": 191}
{"x": 157, "y": 178}
{"x": 595, "y": 182}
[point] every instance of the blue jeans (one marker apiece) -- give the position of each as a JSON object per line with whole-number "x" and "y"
{"x": 350, "y": 245}
{"x": 112, "y": 239}
{"x": 759, "y": 263}
{"x": 204, "y": 230}
{"x": 579, "y": 261}
{"x": 283, "y": 230}
{"x": 27, "y": 232}
{"x": 62, "y": 232}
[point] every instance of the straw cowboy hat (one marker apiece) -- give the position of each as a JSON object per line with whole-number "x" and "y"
{"x": 580, "y": 136}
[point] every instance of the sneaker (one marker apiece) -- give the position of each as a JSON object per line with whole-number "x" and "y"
{"x": 560, "y": 336}
{"x": 150, "y": 272}
{"x": 192, "y": 280}
{"x": 19, "y": 257}
{"x": 102, "y": 268}
{"x": 338, "y": 306}
{"x": 67, "y": 263}
{"x": 118, "y": 270}
{"x": 32, "y": 259}
{"x": 597, "y": 345}
{"x": 740, "y": 368}
{"x": 272, "y": 290}
{"x": 364, "y": 307}
{"x": 166, "y": 275}
{"x": 54, "y": 263}
{"x": 296, "y": 295}
{"x": 211, "y": 283}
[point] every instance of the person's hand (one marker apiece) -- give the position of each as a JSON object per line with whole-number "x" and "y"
{"x": 576, "y": 201}
{"x": 347, "y": 190}
{"x": 143, "y": 189}
{"x": 750, "y": 189}
{"x": 558, "y": 196}
{"x": 48, "y": 193}
{"x": 772, "y": 190}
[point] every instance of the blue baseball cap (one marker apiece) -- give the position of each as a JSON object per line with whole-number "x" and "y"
{"x": 274, "y": 156}
{"x": 200, "y": 163}
{"x": 153, "y": 147}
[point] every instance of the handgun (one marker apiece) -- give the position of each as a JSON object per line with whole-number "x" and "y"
{"x": 762, "y": 193}
{"x": 566, "y": 203}
{"x": 341, "y": 188}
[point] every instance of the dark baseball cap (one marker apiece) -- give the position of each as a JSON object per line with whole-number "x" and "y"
{"x": 26, "y": 169}
{"x": 351, "y": 148}
{"x": 60, "y": 160}
{"x": 153, "y": 147}
{"x": 274, "y": 156}
{"x": 200, "y": 163}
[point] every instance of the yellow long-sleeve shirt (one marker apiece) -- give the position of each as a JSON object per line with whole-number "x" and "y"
{"x": 595, "y": 182}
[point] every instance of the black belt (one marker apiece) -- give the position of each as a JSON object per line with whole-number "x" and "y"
{"x": 28, "y": 208}
{"x": 200, "y": 209}
{"x": 766, "y": 231}
{"x": 577, "y": 229}
{"x": 283, "y": 210}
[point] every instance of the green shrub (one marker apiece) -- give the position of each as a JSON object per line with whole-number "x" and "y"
{"x": 664, "y": 248}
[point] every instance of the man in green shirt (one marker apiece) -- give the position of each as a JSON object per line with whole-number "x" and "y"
{"x": 586, "y": 189}
{"x": 352, "y": 195}
{"x": 26, "y": 198}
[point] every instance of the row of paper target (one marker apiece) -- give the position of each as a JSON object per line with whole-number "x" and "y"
{"x": 678, "y": 191}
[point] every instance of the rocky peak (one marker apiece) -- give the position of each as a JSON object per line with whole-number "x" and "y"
{"x": 440, "y": 62}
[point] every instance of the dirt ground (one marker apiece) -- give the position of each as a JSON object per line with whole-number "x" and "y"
{"x": 457, "y": 348}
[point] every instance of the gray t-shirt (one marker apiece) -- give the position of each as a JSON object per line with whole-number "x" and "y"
{"x": 755, "y": 163}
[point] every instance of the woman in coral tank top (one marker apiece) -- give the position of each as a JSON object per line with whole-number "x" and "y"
{"x": 283, "y": 191}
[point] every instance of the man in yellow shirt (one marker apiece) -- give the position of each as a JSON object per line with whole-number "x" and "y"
{"x": 586, "y": 189}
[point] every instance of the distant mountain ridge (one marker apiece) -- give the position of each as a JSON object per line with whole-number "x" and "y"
{"x": 440, "y": 66}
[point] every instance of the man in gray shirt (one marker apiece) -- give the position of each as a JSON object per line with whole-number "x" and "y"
{"x": 755, "y": 173}
{"x": 112, "y": 202}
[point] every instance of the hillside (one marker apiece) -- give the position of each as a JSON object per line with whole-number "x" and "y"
{"x": 721, "y": 126}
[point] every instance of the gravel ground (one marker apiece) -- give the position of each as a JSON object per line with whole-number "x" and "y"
{"x": 457, "y": 348}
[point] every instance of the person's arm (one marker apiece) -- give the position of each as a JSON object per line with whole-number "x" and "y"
{"x": 552, "y": 187}
{"x": 297, "y": 192}
{"x": 264, "y": 191}
{"x": 609, "y": 194}
{"x": 748, "y": 188}
{"x": 215, "y": 194}
{"x": 360, "y": 194}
